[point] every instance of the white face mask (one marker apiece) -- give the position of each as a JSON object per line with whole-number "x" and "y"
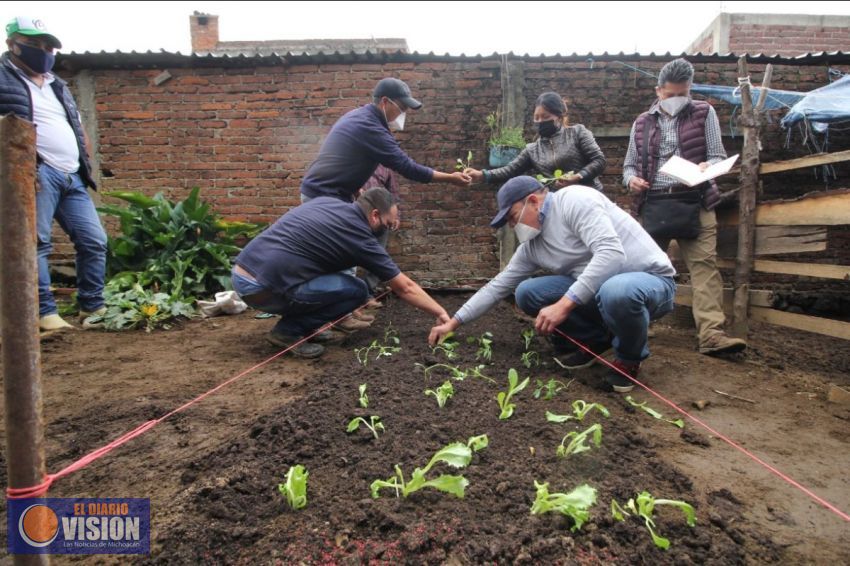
{"x": 524, "y": 232}
{"x": 674, "y": 104}
{"x": 398, "y": 123}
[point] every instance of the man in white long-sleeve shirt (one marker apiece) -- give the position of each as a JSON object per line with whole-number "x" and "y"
{"x": 609, "y": 278}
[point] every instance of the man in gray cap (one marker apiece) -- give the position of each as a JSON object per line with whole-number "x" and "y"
{"x": 609, "y": 278}
{"x": 362, "y": 139}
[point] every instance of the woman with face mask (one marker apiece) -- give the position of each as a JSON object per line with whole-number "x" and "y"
{"x": 558, "y": 146}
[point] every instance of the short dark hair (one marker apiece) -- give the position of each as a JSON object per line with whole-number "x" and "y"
{"x": 676, "y": 71}
{"x": 553, "y": 103}
{"x": 376, "y": 198}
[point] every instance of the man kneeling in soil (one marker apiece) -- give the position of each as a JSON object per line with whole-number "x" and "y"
{"x": 610, "y": 277}
{"x": 293, "y": 268}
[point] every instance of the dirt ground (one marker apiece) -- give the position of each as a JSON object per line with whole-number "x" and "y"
{"x": 211, "y": 472}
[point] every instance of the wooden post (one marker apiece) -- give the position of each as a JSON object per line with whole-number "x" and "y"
{"x": 750, "y": 123}
{"x": 513, "y": 115}
{"x": 20, "y": 353}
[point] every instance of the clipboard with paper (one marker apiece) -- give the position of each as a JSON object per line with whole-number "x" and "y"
{"x": 689, "y": 173}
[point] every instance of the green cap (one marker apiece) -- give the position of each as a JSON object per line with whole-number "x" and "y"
{"x": 33, "y": 27}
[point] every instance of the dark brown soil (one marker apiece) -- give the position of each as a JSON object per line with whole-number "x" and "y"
{"x": 212, "y": 472}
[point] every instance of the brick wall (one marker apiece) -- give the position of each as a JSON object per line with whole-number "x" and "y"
{"x": 789, "y": 40}
{"x": 246, "y": 136}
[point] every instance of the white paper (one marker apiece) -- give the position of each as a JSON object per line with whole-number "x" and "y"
{"x": 689, "y": 173}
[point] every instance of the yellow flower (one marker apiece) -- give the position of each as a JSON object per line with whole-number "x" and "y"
{"x": 149, "y": 310}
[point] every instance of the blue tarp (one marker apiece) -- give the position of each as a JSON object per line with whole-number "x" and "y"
{"x": 830, "y": 103}
{"x": 775, "y": 98}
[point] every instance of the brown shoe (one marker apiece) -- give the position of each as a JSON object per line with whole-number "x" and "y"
{"x": 720, "y": 343}
{"x": 351, "y": 324}
{"x": 360, "y": 315}
{"x": 374, "y": 304}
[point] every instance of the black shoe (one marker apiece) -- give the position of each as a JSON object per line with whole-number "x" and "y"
{"x": 581, "y": 359}
{"x": 303, "y": 350}
{"x": 561, "y": 346}
{"x": 324, "y": 337}
{"x": 619, "y": 382}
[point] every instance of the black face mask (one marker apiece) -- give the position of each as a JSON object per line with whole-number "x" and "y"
{"x": 547, "y": 129}
{"x": 35, "y": 58}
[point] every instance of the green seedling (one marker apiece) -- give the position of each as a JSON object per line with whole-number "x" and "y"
{"x": 448, "y": 345}
{"x": 549, "y": 389}
{"x": 476, "y": 372}
{"x": 478, "y": 442}
{"x": 364, "y": 399}
{"x": 558, "y": 176}
{"x": 443, "y": 393}
{"x": 580, "y": 410}
{"x": 530, "y": 358}
{"x": 373, "y": 424}
{"x": 455, "y": 372}
{"x": 485, "y": 346}
{"x": 381, "y": 350}
{"x": 577, "y": 444}
{"x": 456, "y": 455}
{"x": 643, "y": 506}
{"x": 650, "y": 411}
{"x": 575, "y": 504}
{"x": 461, "y": 164}
{"x": 504, "y": 397}
{"x": 527, "y": 337}
{"x": 295, "y": 487}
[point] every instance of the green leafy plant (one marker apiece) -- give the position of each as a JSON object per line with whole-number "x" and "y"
{"x": 485, "y": 346}
{"x": 577, "y": 443}
{"x": 373, "y": 424}
{"x": 448, "y": 345}
{"x": 182, "y": 249}
{"x": 558, "y": 176}
{"x": 504, "y": 397}
{"x": 380, "y": 350}
{"x": 455, "y": 372}
{"x": 503, "y": 137}
{"x": 575, "y": 504}
{"x": 461, "y": 164}
{"x": 580, "y": 410}
{"x": 549, "y": 389}
{"x": 478, "y": 442}
{"x": 650, "y": 411}
{"x": 295, "y": 487}
{"x": 527, "y": 338}
{"x": 476, "y": 372}
{"x": 443, "y": 393}
{"x": 364, "y": 399}
{"x": 456, "y": 455}
{"x": 643, "y": 506}
{"x": 530, "y": 358}
{"x": 136, "y": 307}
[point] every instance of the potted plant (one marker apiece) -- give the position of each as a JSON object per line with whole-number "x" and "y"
{"x": 505, "y": 143}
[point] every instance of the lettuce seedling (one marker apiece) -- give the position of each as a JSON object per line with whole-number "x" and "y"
{"x": 643, "y": 506}
{"x": 504, "y": 397}
{"x": 443, "y": 393}
{"x": 530, "y": 358}
{"x": 527, "y": 337}
{"x": 373, "y": 424}
{"x": 580, "y": 410}
{"x": 295, "y": 487}
{"x": 575, "y": 504}
{"x": 381, "y": 350}
{"x": 364, "y": 399}
{"x": 556, "y": 177}
{"x": 478, "y": 442}
{"x": 461, "y": 165}
{"x": 448, "y": 345}
{"x": 456, "y": 455}
{"x": 456, "y": 373}
{"x": 650, "y": 411}
{"x": 485, "y": 346}
{"x": 577, "y": 444}
{"x": 549, "y": 388}
{"x": 476, "y": 372}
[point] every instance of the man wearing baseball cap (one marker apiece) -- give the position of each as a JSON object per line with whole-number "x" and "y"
{"x": 362, "y": 139}
{"x": 29, "y": 90}
{"x": 608, "y": 278}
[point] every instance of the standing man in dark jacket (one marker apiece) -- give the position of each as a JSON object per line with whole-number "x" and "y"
{"x": 677, "y": 125}
{"x": 30, "y": 90}
{"x": 361, "y": 140}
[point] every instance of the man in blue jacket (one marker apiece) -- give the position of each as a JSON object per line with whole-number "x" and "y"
{"x": 29, "y": 90}
{"x": 361, "y": 140}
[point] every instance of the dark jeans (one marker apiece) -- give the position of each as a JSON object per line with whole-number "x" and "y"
{"x": 624, "y": 305}
{"x": 308, "y": 306}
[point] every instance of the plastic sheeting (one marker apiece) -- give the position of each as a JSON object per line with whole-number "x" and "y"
{"x": 827, "y": 104}
{"x": 776, "y": 99}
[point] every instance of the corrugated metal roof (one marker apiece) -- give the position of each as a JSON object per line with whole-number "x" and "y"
{"x": 150, "y": 59}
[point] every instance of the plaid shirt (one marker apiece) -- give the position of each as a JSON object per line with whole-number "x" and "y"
{"x": 385, "y": 178}
{"x": 669, "y": 126}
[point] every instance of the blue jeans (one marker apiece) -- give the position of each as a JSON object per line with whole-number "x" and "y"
{"x": 63, "y": 196}
{"x": 308, "y": 306}
{"x": 624, "y": 305}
